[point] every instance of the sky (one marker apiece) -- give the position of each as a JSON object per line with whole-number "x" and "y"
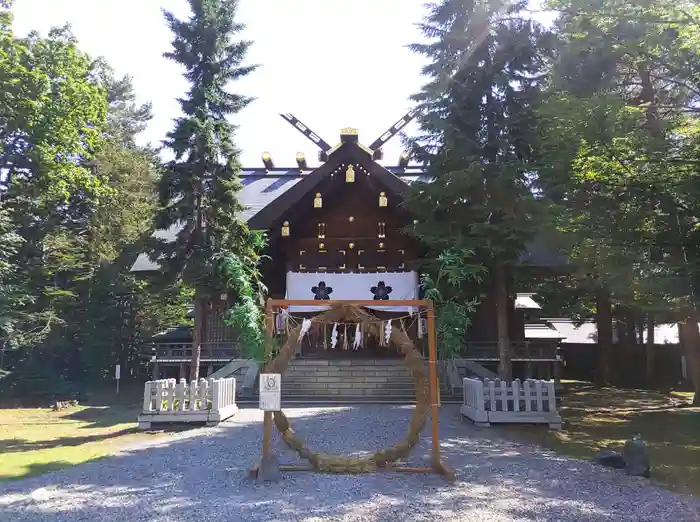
{"x": 331, "y": 63}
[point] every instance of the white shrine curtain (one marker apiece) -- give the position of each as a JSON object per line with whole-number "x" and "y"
{"x": 364, "y": 286}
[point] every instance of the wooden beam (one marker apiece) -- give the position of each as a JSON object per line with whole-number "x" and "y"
{"x": 331, "y": 303}
{"x": 306, "y": 131}
{"x": 393, "y": 130}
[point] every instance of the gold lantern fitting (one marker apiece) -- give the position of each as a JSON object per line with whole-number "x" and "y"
{"x": 318, "y": 200}
{"x": 285, "y": 229}
{"x": 350, "y": 174}
{"x": 383, "y": 201}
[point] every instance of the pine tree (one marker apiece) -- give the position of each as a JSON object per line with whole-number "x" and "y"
{"x": 198, "y": 190}
{"x": 478, "y": 137}
{"x": 622, "y": 136}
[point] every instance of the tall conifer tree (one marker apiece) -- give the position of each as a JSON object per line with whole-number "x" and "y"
{"x": 199, "y": 188}
{"x": 478, "y": 136}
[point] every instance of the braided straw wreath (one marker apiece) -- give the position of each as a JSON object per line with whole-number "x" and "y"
{"x": 415, "y": 363}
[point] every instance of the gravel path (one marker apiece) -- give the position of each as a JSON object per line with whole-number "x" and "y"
{"x": 201, "y": 475}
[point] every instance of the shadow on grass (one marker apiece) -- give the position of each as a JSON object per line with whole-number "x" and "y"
{"x": 600, "y": 418}
{"x": 207, "y": 477}
{"x": 22, "y": 445}
{"x": 103, "y": 416}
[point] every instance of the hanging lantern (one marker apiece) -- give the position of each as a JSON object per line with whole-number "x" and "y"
{"x": 318, "y": 200}
{"x": 285, "y": 229}
{"x": 383, "y": 201}
{"x": 350, "y": 174}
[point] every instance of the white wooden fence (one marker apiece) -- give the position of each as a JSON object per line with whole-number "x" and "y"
{"x": 167, "y": 401}
{"x": 528, "y": 402}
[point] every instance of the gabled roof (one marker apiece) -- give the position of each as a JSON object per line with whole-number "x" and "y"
{"x": 348, "y": 152}
{"x": 267, "y": 194}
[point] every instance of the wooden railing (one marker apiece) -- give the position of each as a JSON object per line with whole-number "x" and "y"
{"x": 528, "y": 402}
{"x": 216, "y": 351}
{"x": 520, "y": 351}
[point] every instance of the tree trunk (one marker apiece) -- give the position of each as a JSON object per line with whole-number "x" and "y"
{"x": 500, "y": 294}
{"x": 197, "y": 335}
{"x": 679, "y": 226}
{"x": 649, "y": 352}
{"x": 604, "y": 321}
{"x": 690, "y": 343}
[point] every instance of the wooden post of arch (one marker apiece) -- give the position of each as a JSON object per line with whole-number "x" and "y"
{"x": 437, "y": 465}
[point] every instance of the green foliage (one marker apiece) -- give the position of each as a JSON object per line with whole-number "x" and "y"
{"x": 52, "y": 112}
{"x": 198, "y": 189}
{"x": 240, "y": 277}
{"x": 79, "y": 199}
{"x": 618, "y": 146}
{"x": 453, "y": 315}
{"x": 478, "y": 135}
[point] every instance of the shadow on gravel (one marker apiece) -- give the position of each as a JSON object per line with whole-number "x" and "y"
{"x": 203, "y": 475}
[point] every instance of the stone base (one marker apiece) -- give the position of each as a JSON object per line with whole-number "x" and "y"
{"x": 269, "y": 470}
{"x": 205, "y": 417}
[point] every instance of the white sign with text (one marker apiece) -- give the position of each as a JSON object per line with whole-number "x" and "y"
{"x": 270, "y": 391}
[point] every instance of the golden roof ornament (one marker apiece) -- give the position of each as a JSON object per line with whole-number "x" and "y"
{"x": 383, "y": 201}
{"x": 285, "y": 229}
{"x": 318, "y": 200}
{"x": 350, "y": 174}
{"x": 349, "y": 131}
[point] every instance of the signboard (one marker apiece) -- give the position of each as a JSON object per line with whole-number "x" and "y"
{"x": 117, "y": 374}
{"x": 270, "y": 391}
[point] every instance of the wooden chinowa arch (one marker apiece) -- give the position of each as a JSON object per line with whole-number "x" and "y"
{"x": 426, "y": 388}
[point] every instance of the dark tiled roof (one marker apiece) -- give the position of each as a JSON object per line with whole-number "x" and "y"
{"x": 177, "y": 334}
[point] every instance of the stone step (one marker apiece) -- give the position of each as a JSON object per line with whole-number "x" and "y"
{"x": 346, "y": 362}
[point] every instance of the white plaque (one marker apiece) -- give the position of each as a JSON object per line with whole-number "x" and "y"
{"x": 270, "y": 391}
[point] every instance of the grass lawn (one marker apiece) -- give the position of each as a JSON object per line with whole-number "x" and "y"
{"x": 597, "y": 418}
{"x": 34, "y": 441}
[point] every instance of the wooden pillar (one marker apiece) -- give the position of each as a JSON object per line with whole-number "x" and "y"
{"x": 183, "y": 371}
{"x": 432, "y": 368}
{"x": 267, "y": 416}
{"x": 156, "y": 371}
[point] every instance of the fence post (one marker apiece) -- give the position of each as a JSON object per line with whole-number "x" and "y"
{"x": 216, "y": 394}
{"x": 180, "y": 394}
{"x": 147, "y": 399}
{"x": 492, "y": 394}
{"x": 528, "y": 395}
{"x": 202, "y": 394}
{"x": 159, "y": 395}
{"x": 516, "y": 394}
{"x": 539, "y": 385}
{"x": 504, "y": 396}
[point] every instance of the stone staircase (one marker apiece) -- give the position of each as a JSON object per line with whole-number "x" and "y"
{"x": 350, "y": 381}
